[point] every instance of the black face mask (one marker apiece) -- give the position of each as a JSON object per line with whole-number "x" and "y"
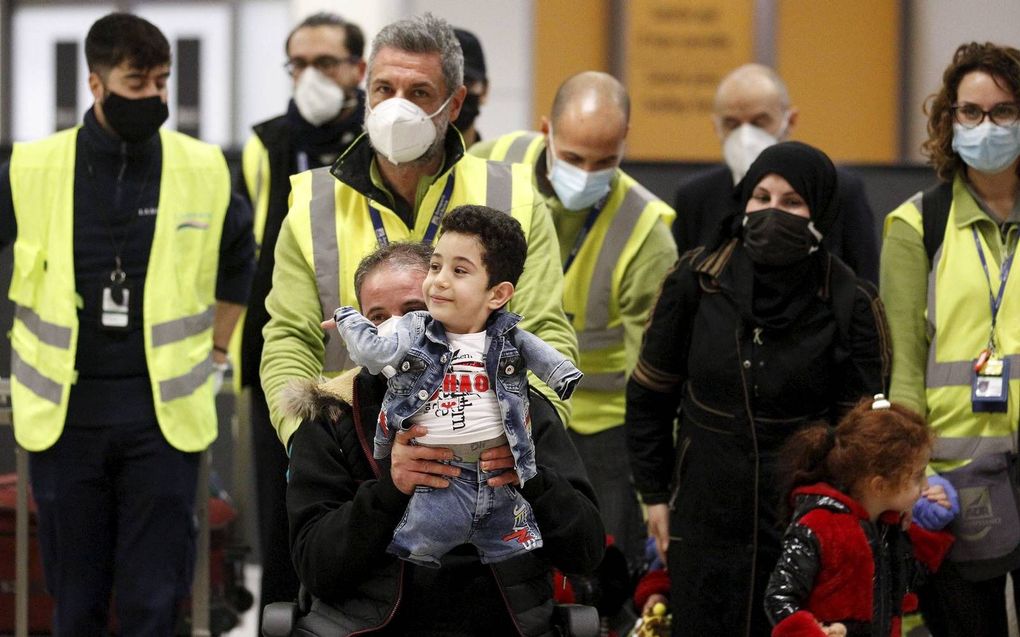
{"x": 468, "y": 112}
{"x": 775, "y": 237}
{"x": 135, "y": 120}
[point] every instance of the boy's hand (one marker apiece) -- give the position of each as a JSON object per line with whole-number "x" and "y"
{"x": 500, "y": 458}
{"x": 328, "y": 325}
{"x": 414, "y": 465}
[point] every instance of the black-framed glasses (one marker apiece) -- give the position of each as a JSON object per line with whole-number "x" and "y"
{"x": 324, "y": 63}
{"x": 971, "y": 115}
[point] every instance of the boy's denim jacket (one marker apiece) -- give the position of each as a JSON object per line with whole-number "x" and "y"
{"x": 420, "y": 354}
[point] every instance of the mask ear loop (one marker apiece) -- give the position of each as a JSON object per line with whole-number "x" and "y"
{"x": 880, "y": 402}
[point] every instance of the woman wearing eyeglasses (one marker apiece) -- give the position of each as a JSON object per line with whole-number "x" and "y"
{"x": 954, "y": 317}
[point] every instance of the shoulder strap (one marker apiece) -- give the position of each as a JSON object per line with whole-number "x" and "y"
{"x": 935, "y": 204}
{"x": 359, "y": 428}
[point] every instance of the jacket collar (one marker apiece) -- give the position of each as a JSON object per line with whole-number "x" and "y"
{"x": 500, "y": 322}
{"x": 826, "y": 496}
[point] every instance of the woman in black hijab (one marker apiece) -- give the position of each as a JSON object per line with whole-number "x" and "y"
{"x": 750, "y": 340}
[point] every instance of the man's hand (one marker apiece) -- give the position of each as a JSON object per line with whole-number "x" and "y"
{"x": 414, "y": 465}
{"x": 658, "y": 528}
{"x": 500, "y": 458}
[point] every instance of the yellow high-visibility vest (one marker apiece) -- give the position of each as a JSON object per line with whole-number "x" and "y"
{"x": 959, "y": 321}
{"x": 592, "y": 284}
{"x": 178, "y": 304}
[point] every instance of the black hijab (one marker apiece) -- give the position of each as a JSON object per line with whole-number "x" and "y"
{"x": 775, "y": 296}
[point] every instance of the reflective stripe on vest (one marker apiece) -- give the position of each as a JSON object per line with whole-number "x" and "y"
{"x": 958, "y": 319}
{"x": 591, "y": 294}
{"x": 326, "y": 257}
{"x": 179, "y": 291}
{"x": 335, "y": 207}
{"x": 522, "y": 146}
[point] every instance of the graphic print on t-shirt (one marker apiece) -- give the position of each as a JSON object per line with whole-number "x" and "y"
{"x": 464, "y": 408}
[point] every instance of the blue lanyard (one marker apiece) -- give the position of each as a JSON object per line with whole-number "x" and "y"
{"x": 430, "y": 232}
{"x": 994, "y": 300}
{"x": 583, "y": 234}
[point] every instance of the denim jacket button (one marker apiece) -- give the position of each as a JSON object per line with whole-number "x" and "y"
{"x": 442, "y": 359}
{"x": 509, "y": 370}
{"x": 406, "y": 366}
{"x": 423, "y": 394}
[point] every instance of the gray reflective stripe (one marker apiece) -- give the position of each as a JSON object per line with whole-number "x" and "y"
{"x": 608, "y": 382}
{"x": 186, "y": 384}
{"x": 499, "y": 186}
{"x": 326, "y": 256}
{"x": 49, "y": 333}
{"x": 954, "y": 373}
{"x": 972, "y": 447}
{"x": 589, "y": 340}
{"x": 519, "y": 147}
{"x": 600, "y": 288}
{"x": 182, "y": 328}
{"x": 33, "y": 379}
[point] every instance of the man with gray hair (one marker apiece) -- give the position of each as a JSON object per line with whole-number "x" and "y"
{"x": 752, "y": 111}
{"x": 395, "y": 183}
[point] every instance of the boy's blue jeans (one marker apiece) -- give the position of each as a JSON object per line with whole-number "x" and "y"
{"x": 498, "y": 521}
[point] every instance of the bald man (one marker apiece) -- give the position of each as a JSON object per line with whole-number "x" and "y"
{"x": 752, "y": 111}
{"x": 616, "y": 247}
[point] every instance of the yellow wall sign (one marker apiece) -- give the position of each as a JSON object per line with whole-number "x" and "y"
{"x": 675, "y": 53}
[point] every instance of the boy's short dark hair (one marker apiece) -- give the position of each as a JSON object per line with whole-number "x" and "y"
{"x": 117, "y": 37}
{"x": 354, "y": 37}
{"x": 504, "y": 247}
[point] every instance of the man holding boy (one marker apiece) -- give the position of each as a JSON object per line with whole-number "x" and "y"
{"x": 344, "y": 505}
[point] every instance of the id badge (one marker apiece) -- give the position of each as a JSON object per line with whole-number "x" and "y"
{"x": 990, "y": 387}
{"x": 115, "y": 303}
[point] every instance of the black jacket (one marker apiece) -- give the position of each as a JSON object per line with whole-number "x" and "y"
{"x": 742, "y": 390}
{"x": 343, "y": 509}
{"x": 704, "y": 199}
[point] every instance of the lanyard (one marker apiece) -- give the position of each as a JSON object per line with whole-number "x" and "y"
{"x": 994, "y": 300}
{"x": 430, "y": 232}
{"x": 583, "y": 234}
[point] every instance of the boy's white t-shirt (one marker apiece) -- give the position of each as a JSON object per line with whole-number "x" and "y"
{"x": 465, "y": 408}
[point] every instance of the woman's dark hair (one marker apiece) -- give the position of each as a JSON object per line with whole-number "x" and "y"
{"x": 1001, "y": 62}
{"x": 119, "y": 37}
{"x": 866, "y": 442}
{"x": 504, "y": 247}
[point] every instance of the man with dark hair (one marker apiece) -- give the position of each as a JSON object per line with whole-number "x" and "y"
{"x": 324, "y": 59}
{"x": 476, "y": 81}
{"x": 396, "y": 183}
{"x": 344, "y": 505}
{"x": 132, "y": 264}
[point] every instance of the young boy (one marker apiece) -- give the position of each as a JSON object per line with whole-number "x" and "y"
{"x": 460, "y": 370}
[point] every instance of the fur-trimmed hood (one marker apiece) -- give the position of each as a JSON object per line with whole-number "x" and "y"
{"x": 311, "y": 399}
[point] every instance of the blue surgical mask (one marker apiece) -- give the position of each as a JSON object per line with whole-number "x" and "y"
{"x": 575, "y": 187}
{"x": 988, "y": 147}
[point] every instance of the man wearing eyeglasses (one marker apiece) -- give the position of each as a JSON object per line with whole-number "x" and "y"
{"x": 322, "y": 119}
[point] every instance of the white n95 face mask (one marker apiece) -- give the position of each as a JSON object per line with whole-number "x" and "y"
{"x": 575, "y": 187}
{"x": 318, "y": 98}
{"x": 743, "y": 145}
{"x": 400, "y": 130}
